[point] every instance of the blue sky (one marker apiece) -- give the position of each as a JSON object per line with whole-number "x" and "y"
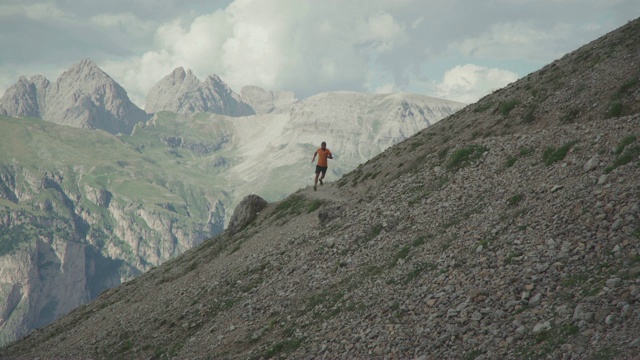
{"x": 455, "y": 49}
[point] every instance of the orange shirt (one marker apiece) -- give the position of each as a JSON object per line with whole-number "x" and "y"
{"x": 322, "y": 156}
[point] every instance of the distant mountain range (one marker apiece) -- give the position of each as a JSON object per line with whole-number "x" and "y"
{"x": 83, "y": 210}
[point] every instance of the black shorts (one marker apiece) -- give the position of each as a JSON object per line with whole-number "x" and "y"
{"x": 321, "y": 169}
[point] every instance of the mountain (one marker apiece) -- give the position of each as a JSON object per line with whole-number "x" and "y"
{"x": 83, "y": 96}
{"x": 82, "y": 211}
{"x": 183, "y": 93}
{"x": 507, "y": 230}
{"x": 266, "y": 101}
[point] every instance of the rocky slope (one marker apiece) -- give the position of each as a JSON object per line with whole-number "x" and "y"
{"x": 83, "y": 96}
{"x": 128, "y": 203}
{"x": 182, "y": 92}
{"x": 508, "y": 230}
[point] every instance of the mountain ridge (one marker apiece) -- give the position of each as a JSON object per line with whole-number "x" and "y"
{"x": 507, "y": 230}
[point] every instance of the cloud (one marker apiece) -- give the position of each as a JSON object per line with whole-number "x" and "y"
{"x": 302, "y": 46}
{"x": 305, "y": 47}
{"x": 468, "y": 83}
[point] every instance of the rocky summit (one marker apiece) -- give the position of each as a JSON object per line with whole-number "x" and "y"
{"x": 508, "y": 230}
{"x": 83, "y": 96}
{"x": 183, "y": 93}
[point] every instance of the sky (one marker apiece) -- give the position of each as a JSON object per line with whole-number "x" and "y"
{"x": 452, "y": 49}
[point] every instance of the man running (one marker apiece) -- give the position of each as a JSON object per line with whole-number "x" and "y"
{"x": 323, "y": 154}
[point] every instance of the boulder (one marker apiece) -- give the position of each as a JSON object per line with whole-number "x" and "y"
{"x": 246, "y": 212}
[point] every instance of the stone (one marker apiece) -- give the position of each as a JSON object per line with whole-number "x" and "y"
{"x": 246, "y": 212}
{"x": 543, "y": 326}
{"x": 591, "y": 164}
{"x": 612, "y": 283}
{"x": 535, "y": 300}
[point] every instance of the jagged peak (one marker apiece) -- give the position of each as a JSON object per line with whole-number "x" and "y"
{"x": 83, "y": 68}
{"x": 217, "y": 82}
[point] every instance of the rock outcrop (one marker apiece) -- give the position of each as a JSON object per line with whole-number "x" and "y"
{"x": 246, "y": 211}
{"x": 83, "y": 96}
{"x": 183, "y": 93}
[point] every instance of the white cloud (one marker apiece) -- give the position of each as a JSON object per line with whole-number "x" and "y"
{"x": 305, "y": 47}
{"x": 468, "y": 83}
{"x": 509, "y": 40}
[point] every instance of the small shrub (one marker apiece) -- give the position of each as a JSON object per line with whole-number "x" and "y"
{"x": 483, "y": 107}
{"x": 506, "y": 107}
{"x": 509, "y": 258}
{"x": 570, "y": 116}
{"x": 443, "y": 153}
{"x": 510, "y": 161}
{"x": 530, "y": 115}
{"x": 403, "y": 253}
{"x": 464, "y": 156}
{"x": 615, "y": 110}
{"x": 418, "y": 269}
{"x": 514, "y": 200}
{"x": 626, "y": 87}
{"x": 419, "y": 241}
{"x": 286, "y": 346}
{"x": 375, "y": 231}
{"x": 314, "y": 205}
{"x": 551, "y": 155}
{"x": 627, "y": 140}
{"x": 542, "y": 336}
{"x": 524, "y": 151}
{"x": 629, "y": 155}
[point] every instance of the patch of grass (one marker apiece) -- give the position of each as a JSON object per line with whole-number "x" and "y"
{"x": 483, "y": 107}
{"x": 569, "y": 116}
{"x": 511, "y": 160}
{"x": 293, "y": 205}
{"x": 628, "y": 156}
{"x": 375, "y": 231}
{"x": 525, "y": 151}
{"x": 323, "y": 304}
{"x": 372, "y": 270}
{"x": 551, "y": 155}
{"x": 627, "y": 140}
{"x": 530, "y": 115}
{"x": 626, "y": 87}
{"x": 401, "y": 254}
{"x": 510, "y": 257}
{"x": 442, "y": 154}
{"x": 472, "y": 355}
{"x": 506, "y": 107}
{"x": 286, "y": 346}
{"x": 314, "y": 205}
{"x": 575, "y": 280}
{"x": 606, "y": 353}
{"x": 542, "y": 336}
{"x": 462, "y": 157}
{"x": 417, "y": 270}
{"x": 514, "y": 200}
{"x": 419, "y": 241}
{"x": 615, "y": 110}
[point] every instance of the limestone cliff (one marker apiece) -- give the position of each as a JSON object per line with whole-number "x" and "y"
{"x": 65, "y": 238}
